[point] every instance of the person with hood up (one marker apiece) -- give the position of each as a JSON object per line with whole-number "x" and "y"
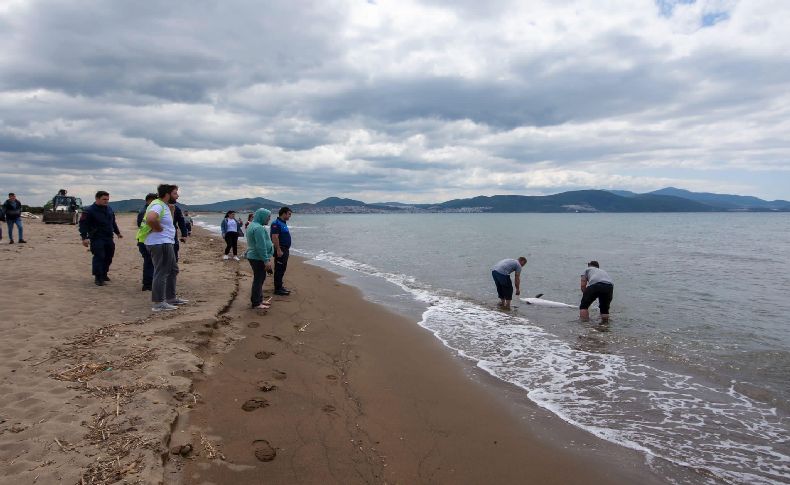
{"x": 259, "y": 254}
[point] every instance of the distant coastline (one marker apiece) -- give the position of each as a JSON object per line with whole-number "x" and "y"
{"x": 669, "y": 199}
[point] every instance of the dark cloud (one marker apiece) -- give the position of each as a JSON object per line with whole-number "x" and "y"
{"x": 334, "y": 98}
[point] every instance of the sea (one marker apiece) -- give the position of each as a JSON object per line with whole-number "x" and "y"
{"x": 693, "y": 368}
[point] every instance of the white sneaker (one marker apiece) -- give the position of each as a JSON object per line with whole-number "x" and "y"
{"x": 226, "y": 257}
{"x": 164, "y": 306}
{"x": 236, "y": 258}
{"x": 177, "y": 301}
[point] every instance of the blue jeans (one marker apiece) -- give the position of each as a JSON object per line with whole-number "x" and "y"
{"x": 18, "y": 223}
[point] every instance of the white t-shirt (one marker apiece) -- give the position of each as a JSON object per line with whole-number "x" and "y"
{"x": 168, "y": 234}
{"x": 232, "y": 226}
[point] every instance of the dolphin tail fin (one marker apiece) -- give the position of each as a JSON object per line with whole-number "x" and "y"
{"x": 538, "y": 295}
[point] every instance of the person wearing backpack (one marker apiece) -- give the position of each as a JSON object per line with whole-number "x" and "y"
{"x": 158, "y": 232}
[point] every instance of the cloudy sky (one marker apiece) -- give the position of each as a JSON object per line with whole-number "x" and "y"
{"x": 387, "y": 100}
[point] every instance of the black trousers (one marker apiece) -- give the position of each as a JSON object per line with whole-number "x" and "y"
{"x": 258, "y": 278}
{"x": 148, "y": 265}
{"x": 280, "y": 265}
{"x": 103, "y": 251}
{"x": 231, "y": 242}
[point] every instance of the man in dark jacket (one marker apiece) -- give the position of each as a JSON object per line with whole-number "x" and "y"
{"x": 97, "y": 226}
{"x": 13, "y": 216}
{"x": 148, "y": 265}
{"x": 281, "y": 239}
{"x": 181, "y": 228}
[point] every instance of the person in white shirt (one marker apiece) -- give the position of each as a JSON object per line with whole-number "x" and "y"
{"x": 159, "y": 243}
{"x": 230, "y": 232}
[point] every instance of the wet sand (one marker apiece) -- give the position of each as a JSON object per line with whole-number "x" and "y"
{"x": 325, "y": 387}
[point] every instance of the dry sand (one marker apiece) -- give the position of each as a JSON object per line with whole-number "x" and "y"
{"x": 323, "y": 388}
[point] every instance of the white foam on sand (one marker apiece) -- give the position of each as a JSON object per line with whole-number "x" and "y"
{"x": 664, "y": 414}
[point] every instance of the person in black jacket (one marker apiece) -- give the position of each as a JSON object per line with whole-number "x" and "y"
{"x": 13, "y": 216}
{"x": 181, "y": 228}
{"x": 148, "y": 265}
{"x": 97, "y": 226}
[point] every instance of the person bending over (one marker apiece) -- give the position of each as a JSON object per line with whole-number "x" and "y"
{"x": 596, "y": 284}
{"x": 501, "y": 274}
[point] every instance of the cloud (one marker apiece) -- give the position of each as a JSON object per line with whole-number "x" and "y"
{"x": 410, "y": 100}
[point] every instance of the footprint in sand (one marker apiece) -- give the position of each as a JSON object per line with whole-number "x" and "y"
{"x": 331, "y": 377}
{"x": 253, "y": 325}
{"x": 254, "y": 403}
{"x": 279, "y": 375}
{"x": 263, "y": 355}
{"x": 266, "y": 386}
{"x": 264, "y": 451}
{"x": 328, "y": 408}
{"x": 271, "y": 337}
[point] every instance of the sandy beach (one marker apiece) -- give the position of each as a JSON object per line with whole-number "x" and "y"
{"x": 325, "y": 387}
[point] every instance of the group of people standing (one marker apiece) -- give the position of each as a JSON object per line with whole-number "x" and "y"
{"x": 11, "y": 214}
{"x": 267, "y": 252}
{"x": 162, "y": 224}
{"x": 595, "y": 284}
{"x": 156, "y": 237}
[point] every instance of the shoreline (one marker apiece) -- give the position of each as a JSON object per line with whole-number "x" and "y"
{"x": 360, "y": 411}
{"x": 95, "y": 387}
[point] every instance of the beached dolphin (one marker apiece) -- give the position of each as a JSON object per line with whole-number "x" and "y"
{"x": 538, "y": 301}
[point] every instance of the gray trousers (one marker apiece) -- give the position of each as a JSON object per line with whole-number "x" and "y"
{"x": 163, "y": 286}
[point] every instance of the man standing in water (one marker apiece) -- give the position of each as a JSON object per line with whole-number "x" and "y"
{"x": 595, "y": 284}
{"x": 501, "y": 274}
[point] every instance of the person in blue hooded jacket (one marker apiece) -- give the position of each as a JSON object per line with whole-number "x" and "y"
{"x": 259, "y": 254}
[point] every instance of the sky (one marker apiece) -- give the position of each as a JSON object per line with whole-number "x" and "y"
{"x": 403, "y": 100}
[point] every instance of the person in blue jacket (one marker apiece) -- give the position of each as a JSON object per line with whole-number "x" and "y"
{"x": 97, "y": 226}
{"x": 148, "y": 265}
{"x": 259, "y": 255}
{"x": 281, "y": 239}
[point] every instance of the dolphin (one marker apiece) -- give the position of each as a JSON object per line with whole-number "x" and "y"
{"x": 538, "y": 301}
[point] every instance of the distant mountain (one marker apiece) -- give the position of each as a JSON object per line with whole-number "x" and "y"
{"x": 129, "y": 205}
{"x": 246, "y": 205}
{"x": 669, "y": 199}
{"x": 578, "y": 201}
{"x": 726, "y": 201}
{"x": 623, "y": 193}
{"x": 338, "y": 202}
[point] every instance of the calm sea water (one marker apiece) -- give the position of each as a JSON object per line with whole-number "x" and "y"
{"x": 694, "y": 368}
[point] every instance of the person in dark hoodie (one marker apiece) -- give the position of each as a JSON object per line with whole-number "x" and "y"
{"x": 148, "y": 265}
{"x": 13, "y": 216}
{"x": 259, "y": 254}
{"x": 97, "y": 226}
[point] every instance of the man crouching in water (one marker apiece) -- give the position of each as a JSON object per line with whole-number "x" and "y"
{"x": 596, "y": 284}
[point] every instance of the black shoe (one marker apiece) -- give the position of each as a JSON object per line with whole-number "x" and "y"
{"x": 11, "y": 241}
{"x": 98, "y": 281}
{"x": 282, "y": 292}
{"x": 146, "y": 287}
{"x": 106, "y": 278}
{"x": 22, "y": 241}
